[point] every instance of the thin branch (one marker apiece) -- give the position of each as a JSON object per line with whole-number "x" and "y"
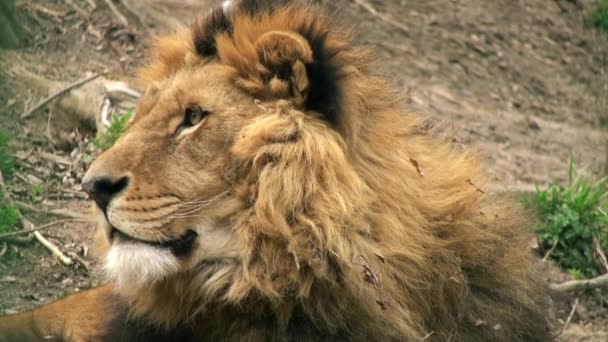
{"x": 51, "y": 247}
{"x": 117, "y": 13}
{"x": 569, "y": 317}
{"x": 135, "y": 13}
{"x": 550, "y": 250}
{"x": 77, "y": 8}
{"x": 369, "y": 8}
{"x": 57, "y": 94}
{"x": 35, "y": 229}
{"x": 54, "y": 212}
{"x": 92, "y": 4}
{"x": 585, "y": 284}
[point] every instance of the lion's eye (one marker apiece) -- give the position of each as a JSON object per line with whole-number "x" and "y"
{"x": 192, "y": 117}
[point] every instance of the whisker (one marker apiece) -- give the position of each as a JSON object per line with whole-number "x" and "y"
{"x": 200, "y": 205}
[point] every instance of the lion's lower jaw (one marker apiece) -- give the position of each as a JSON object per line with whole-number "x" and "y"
{"x": 137, "y": 265}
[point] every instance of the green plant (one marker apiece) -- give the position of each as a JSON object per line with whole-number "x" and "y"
{"x": 9, "y": 216}
{"x": 573, "y": 222}
{"x": 36, "y": 190}
{"x": 576, "y": 274}
{"x": 117, "y": 127}
{"x": 598, "y": 16}
{"x": 7, "y": 164}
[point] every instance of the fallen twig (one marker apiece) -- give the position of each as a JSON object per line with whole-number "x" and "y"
{"x": 600, "y": 252}
{"x": 3, "y": 250}
{"x": 77, "y": 8}
{"x": 550, "y": 250}
{"x": 130, "y": 8}
{"x": 80, "y": 260}
{"x": 57, "y": 94}
{"x": 54, "y": 212}
{"x": 35, "y": 229}
{"x": 51, "y": 247}
{"x": 569, "y": 317}
{"x": 585, "y": 284}
{"x": 29, "y": 227}
{"x": 369, "y": 8}
{"x": 117, "y": 13}
{"x": 92, "y": 4}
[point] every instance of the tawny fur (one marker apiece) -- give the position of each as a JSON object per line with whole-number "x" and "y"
{"x": 367, "y": 228}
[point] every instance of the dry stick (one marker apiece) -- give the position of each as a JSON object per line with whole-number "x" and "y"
{"x": 550, "y": 250}
{"x": 54, "y": 212}
{"x": 58, "y": 93}
{"x": 28, "y": 225}
{"x": 35, "y": 229}
{"x": 130, "y": 8}
{"x": 3, "y": 250}
{"x": 80, "y": 260}
{"x": 585, "y": 284}
{"x": 117, "y": 13}
{"x": 598, "y": 249}
{"x": 569, "y": 316}
{"x": 92, "y": 4}
{"x": 368, "y": 7}
{"x": 77, "y": 8}
{"x": 51, "y": 247}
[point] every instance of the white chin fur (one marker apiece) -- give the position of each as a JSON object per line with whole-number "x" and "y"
{"x": 138, "y": 265}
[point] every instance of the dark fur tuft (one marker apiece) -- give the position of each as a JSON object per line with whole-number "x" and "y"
{"x": 206, "y": 29}
{"x": 323, "y": 72}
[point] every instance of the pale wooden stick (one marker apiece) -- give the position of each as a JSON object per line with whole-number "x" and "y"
{"x": 569, "y": 316}
{"x": 550, "y": 250}
{"x": 57, "y": 94}
{"x": 54, "y": 212}
{"x": 585, "y": 284}
{"x": 3, "y": 250}
{"x": 369, "y": 8}
{"x": 77, "y": 8}
{"x": 27, "y": 225}
{"x": 51, "y": 247}
{"x": 44, "y": 226}
{"x": 117, "y": 13}
{"x": 92, "y": 3}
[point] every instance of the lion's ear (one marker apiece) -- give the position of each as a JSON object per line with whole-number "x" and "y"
{"x": 280, "y": 67}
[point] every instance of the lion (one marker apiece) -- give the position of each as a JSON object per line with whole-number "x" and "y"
{"x": 271, "y": 187}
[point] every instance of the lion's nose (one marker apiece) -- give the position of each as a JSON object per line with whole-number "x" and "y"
{"x": 102, "y": 189}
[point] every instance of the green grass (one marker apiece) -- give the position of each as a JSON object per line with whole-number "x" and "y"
{"x": 36, "y": 190}
{"x": 9, "y": 216}
{"x": 117, "y": 127}
{"x": 7, "y": 164}
{"x": 598, "y": 16}
{"x": 574, "y": 217}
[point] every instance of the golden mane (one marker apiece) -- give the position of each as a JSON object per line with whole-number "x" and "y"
{"x": 358, "y": 218}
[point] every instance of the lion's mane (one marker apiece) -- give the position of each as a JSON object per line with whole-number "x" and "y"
{"x": 360, "y": 223}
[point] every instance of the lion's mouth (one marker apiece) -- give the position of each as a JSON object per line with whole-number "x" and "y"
{"x": 180, "y": 247}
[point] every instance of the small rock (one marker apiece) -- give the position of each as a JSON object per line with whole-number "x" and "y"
{"x": 67, "y": 282}
{"x": 533, "y": 124}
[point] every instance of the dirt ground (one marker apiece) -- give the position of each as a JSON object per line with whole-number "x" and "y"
{"x": 521, "y": 81}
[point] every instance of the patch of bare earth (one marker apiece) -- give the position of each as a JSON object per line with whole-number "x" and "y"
{"x": 521, "y": 81}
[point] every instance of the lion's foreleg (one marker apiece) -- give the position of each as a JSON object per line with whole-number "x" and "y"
{"x": 80, "y": 317}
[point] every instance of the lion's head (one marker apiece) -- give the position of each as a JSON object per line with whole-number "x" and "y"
{"x": 265, "y": 164}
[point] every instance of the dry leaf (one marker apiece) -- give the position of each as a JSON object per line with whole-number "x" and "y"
{"x": 417, "y": 166}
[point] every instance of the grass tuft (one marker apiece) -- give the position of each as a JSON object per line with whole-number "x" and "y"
{"x": 574, "y": 218}
{"x": 7, "y": 164}
{"x": 598, "y": 16}
{"x": 117, "y": 127}
{"x": 9, "y": 216}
